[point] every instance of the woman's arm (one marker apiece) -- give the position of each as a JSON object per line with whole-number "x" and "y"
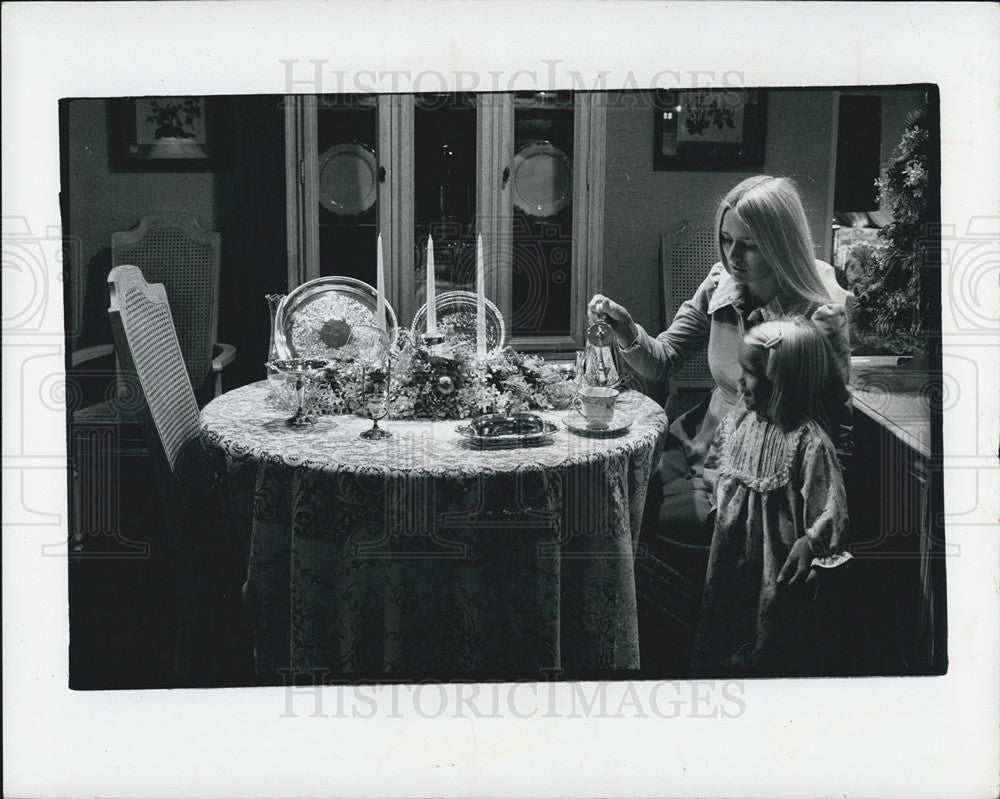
{"x": 653, "y": 358}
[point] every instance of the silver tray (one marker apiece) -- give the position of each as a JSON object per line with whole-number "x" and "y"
{"x": 504, "y": 430}
{"x": 314, "y": 320}
{"x": 456, "y": 320}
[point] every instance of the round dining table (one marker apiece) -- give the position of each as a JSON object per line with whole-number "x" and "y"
{"x": 423, "y": 556}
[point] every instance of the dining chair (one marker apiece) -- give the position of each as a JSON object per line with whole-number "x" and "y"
{"x": 669, "y": 576}
{"x": 173, "y": 249}
{"x": 199, "y": 532}
{"x": 687, "y": 253}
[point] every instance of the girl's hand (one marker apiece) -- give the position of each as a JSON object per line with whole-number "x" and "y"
{"x": 616, "y": 315}
{"x": 798, "y": 566}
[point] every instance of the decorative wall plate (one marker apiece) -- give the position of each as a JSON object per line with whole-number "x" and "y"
{"x": 542, "y": 181}
{"x": 456, "y": 320}
{"x": 348, "y": 178}
{"x": 315, "y": 320}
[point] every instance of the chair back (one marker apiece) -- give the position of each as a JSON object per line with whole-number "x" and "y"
{"x": 173, "y": 249}
{"x": 152, "y": 369}
{"x": 687, "y": 253}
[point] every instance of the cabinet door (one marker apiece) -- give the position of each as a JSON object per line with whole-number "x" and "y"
{"x": 446, "y": 166}
{"x": 335, "y": 185}
{"x": 555, "y": 203}
{"x": 525, "y": 171}
{"x": 301, "y": 188}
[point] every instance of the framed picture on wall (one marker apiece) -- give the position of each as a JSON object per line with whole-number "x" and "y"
{"x": 164, "y": 134}
{"x": 708, "y": 129}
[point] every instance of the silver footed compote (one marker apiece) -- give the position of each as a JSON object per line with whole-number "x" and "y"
{"x": 299, "y": 371}
{"x": 373, "y": 355}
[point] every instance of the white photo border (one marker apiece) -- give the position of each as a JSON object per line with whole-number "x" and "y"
{"x": 852, "y": 737}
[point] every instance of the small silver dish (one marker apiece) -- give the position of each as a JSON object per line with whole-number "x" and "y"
{"x": 499, "y": 430}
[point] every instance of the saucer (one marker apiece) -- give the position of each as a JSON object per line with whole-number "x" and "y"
{"x": 618, "y": 424}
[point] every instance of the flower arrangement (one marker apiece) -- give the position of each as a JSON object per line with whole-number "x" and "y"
{"x": 893, "y": 307}
{"x": 449, "y": 382}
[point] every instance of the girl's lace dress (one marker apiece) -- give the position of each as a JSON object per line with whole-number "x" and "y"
{"x": 773, "y": 487}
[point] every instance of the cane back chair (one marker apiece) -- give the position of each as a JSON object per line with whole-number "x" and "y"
{"x": 194, "y": 513}
{"x": 173, "y": 249}
{"x": 687, "y": 253}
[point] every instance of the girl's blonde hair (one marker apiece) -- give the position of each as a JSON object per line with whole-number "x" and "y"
{"x": 773, "y": 211}
{"x": 797, "y": 363}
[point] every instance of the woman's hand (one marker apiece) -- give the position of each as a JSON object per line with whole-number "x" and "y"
{"x": 798, "y": 565}
{"x": 617, "y": 316}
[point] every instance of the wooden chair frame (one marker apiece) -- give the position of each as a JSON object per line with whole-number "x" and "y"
{"x": 168, "y": 417}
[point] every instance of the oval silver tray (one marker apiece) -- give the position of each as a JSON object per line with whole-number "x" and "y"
{"x": 507, "y": 430}
{"x": 315, "y": 319}
{"x": 456, "y": 320}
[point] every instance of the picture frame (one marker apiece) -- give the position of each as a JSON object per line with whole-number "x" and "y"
{"x": 165, "y": 134}
{"x": 709, "y": 129}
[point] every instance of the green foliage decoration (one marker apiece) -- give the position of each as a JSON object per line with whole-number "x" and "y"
{"x": 893, "y": 311}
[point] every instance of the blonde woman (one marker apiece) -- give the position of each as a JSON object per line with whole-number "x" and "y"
{"x": 766, "y": 270}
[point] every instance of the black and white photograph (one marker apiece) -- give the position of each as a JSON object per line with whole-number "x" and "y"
{"x": 548, "y": 489}
{"x": 384, "y": 385}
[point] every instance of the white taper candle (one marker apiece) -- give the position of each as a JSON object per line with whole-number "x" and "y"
{"x": 480, "y": 299}
{"x": 432, "y": 324}
{"x": 380, "y": 286}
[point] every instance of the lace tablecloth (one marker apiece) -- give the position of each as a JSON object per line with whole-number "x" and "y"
{"x": 420, "y": 556}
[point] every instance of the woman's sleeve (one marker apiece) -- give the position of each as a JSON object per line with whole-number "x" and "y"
{"x": 831, "y": 321}
{"x": 653, "y": 358}
{"x": 824, "y": 500}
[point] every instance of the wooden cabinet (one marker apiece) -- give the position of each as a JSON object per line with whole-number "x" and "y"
{"x": 449, "y": 166}
{"x": 897, "y": 528}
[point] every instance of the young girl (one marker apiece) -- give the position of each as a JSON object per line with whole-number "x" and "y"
{"x": 782, "y": 510}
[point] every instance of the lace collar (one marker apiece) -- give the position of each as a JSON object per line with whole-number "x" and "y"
{"x": 756, "y": 452}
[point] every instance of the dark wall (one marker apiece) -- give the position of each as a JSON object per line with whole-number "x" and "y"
{"x": 244, "y": 200}
{"x": 101, "y": 202}
{"x": 249, "y": 209}
{"x": 642, "y": 204}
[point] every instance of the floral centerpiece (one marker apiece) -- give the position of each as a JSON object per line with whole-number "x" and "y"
{"x": 446, "y": 382}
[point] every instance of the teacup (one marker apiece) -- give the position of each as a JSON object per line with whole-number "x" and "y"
{"x": 596, "y": 404}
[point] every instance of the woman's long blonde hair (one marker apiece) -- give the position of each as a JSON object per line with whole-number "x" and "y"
{"x": 798, "y": 365}
{"x": 773, "y": 211}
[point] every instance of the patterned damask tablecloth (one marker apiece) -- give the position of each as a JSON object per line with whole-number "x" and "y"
{"x": 421, "y": 556}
